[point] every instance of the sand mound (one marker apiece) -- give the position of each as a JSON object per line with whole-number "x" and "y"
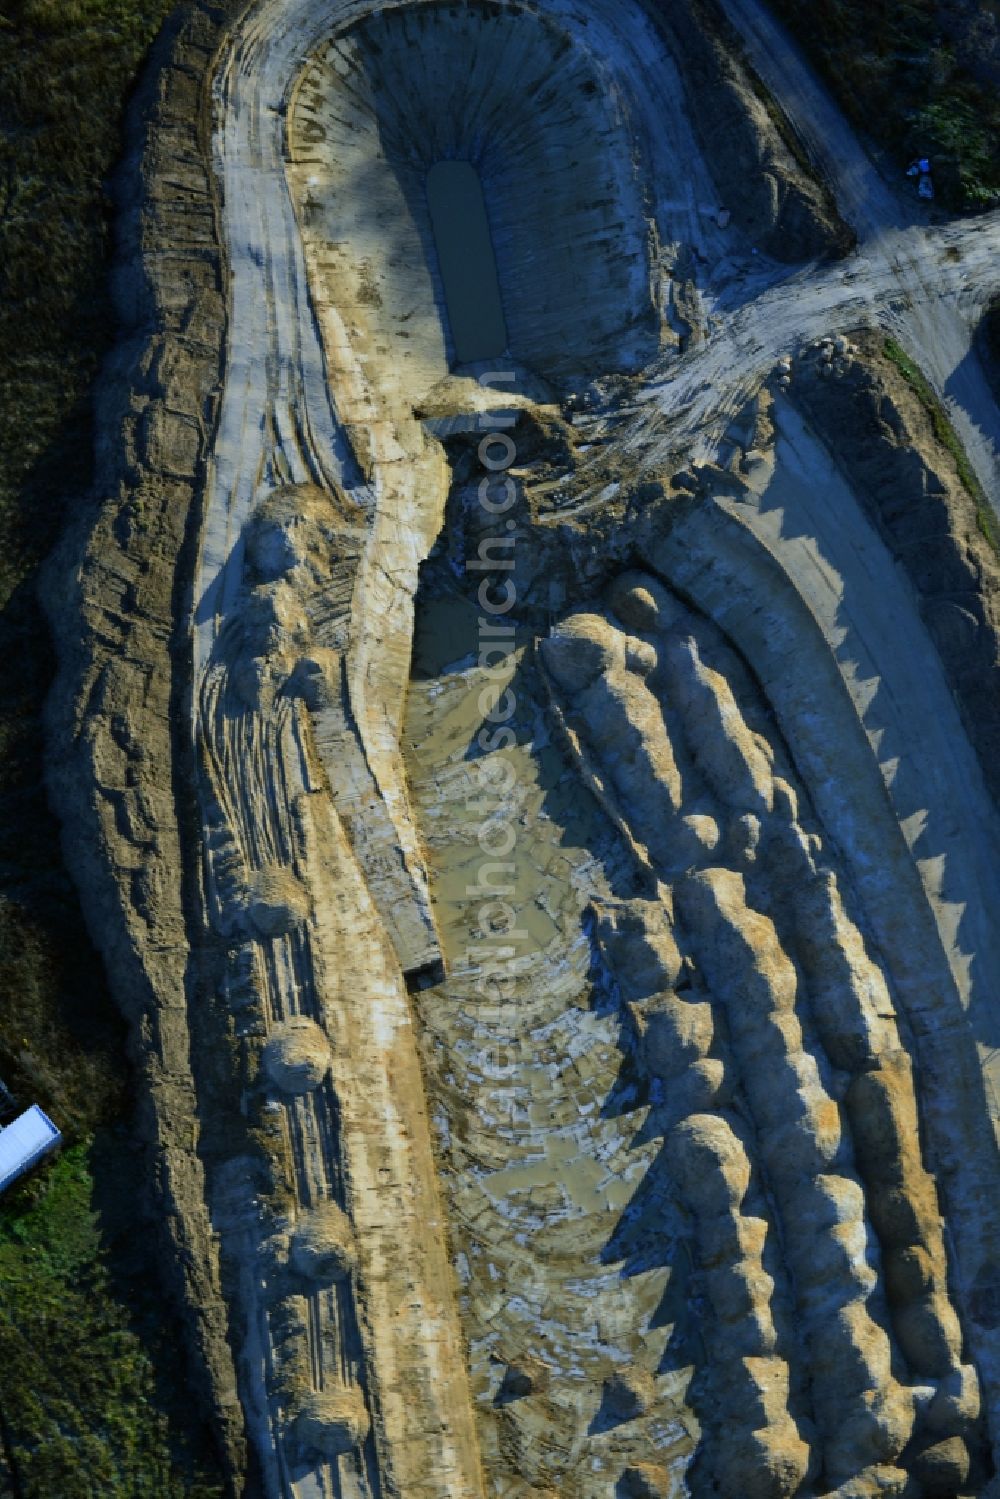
{"x": 297, "y": 1055}
{"x": 642, "y": 603}
{"x": 288, "y": 523}
{"x": 278, "y": 902}
{"x": 583, "y": 647}
{"x": 323, "y": 1244}
{"x": 332, "y": 1422}
{"x": 316, "y": 679}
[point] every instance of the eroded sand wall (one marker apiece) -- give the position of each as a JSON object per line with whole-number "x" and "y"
{"x": 119, "y": 770}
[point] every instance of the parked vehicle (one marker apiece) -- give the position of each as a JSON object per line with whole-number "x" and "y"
{"x": 29, "y": 1139}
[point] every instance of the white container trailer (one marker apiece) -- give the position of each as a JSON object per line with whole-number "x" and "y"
{"x": 25, "y": 1142}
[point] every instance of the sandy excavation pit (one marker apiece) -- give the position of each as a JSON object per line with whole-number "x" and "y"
{"x": 579, "y": 1119}
{"x": 703, "y": 1198}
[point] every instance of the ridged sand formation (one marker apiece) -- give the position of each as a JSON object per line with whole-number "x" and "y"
{"x": 785, "y": 1087}
{"x": 703, "y": 1198}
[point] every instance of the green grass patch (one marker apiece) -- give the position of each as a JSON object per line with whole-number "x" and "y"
{"x": 946, "y": 435}
{"x": 78, "y": 1385}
